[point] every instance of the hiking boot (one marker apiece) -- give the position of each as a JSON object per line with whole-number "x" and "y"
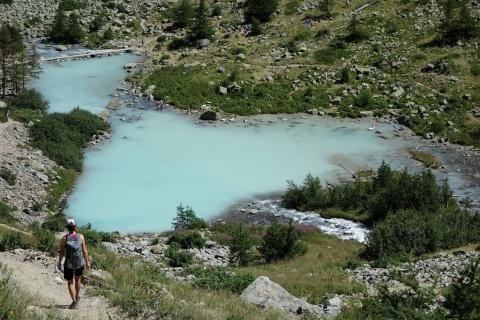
{"x": 73, "y": 305}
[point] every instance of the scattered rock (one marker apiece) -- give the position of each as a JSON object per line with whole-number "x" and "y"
{"x": 114, "y": 104}
{"x": 209, "y": 116}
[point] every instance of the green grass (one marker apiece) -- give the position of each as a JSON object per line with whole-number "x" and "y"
{"x": 428, "y": 159}
{"x": 63, "y": 185}
{"x": 8, "y": 176}
{"x": 330, "y": 55}
{"x": 316, "y": 273}
{"x": 139, "y": 288}
{"x": 189, "y": 88}
{"x": 6, "y": 213}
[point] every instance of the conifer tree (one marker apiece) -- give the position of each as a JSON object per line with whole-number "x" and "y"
{"x": 260, "y": 9}
{"x": 458, "y": 22}
{"x": 201, "y": 28}
{"x": 183, "y": 14}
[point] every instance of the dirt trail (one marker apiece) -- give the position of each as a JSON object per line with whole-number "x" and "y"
{"x": 34, "y": 273}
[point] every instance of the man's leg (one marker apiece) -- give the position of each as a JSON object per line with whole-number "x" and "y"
{"x": 78, "y": 283}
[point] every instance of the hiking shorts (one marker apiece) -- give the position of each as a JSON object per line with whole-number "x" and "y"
{"x": 69, "y": 273}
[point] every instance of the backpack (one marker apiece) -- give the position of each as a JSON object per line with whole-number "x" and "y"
{"x": 74, "y": 256}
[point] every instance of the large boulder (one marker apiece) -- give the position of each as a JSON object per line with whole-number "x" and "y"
{"x": 114, "y": 104}
{"x": 209, "y": 116}
{"x": 268, "y": 294}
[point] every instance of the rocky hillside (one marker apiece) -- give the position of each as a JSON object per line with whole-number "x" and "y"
{"x": 27, "y": 174}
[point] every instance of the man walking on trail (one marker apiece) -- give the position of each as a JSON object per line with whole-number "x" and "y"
{"x": 74, "y": 249}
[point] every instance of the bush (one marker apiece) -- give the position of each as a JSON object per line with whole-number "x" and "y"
{"x": 6, "y": 215}
{"x": 330, "y": 55}
{"x": 260, "y": 9}
{"x": 178, "y": 257}
{"x": 28, "y": 99}
{"x": 412, "y": 232}
{"x": 221, "y": 279}
{"x": 95, "y": 238}
{"x": 55, "y": 222}
{"x": 186, "y": 219}
{"x": 458, "y": 23}
{"x": 45, "y": 240}
{"x": 10, "y": 240}
{"x": 13, "y": 303}
{"x": 187, "y": 240}
{"x": 388, "y": 191}
{"x": 62, "y": 137}
{"x": 355, "y": 31}
{"x": 463, "y": 297}
{"x": 281, "y": 242}
{"x": 475, "y": 69}
{"x": 241, "y": 245}
{"x": 182, "y": 14}
{"x": 177, "y": 43}
{"x": 8, "y": 176}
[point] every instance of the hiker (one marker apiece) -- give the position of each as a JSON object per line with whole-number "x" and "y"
{"x": 74, "y": 249}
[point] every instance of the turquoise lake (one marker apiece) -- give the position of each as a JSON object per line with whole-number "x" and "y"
{"x": 135, "y": 181}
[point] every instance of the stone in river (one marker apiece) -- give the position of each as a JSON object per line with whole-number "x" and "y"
{"x": 114, "y": 104}
{"x": 209, "y": 116}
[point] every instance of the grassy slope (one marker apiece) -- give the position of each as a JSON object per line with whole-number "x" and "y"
{"x": 393, "y": 38}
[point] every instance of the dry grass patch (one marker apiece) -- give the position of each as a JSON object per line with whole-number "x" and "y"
{"x": 316, "y": 273}
{"x": 428, "y": 159}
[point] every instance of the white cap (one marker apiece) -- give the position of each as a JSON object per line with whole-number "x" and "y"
{"x": 70, "y": 222}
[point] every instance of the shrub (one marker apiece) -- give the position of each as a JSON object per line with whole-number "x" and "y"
{"x": 463, "y": 297}
{"x": 13, "y": 303}
{"x": 8, "y": 176}
{"x": 10, "y": 240}
{"x": 256, "y": 27}
{"x": 45, "y": 240}
{"x": 177, "y": 43}
{"x": 418, "y": 232}
{"x": 94, "y": 237}
{"x": 458, "y": 22}
{"x": 62, "y": 137}
{"x": 186, "y": 219}
{"x": 241, "y": 245}
{"x": 330, "y": 55}
{"x": 323, "y": 33}
{"x": 54, "y": 222}
{"x": 187, "y": 240}
{"x": 260, "y": 9}
{"x": 475, "y": 69}
{"x": 355, "y": 31}
{"x": 183, "y": 14}
{"x": 28, "y": 99}
{"x": 219, "y": 278}
{"x": 345, "y": 75}
{"x": 388, "y": 191}
{"x": 178, "y": 257}
{"x": 6, "y": 215}
{"x": 281, "y": 242}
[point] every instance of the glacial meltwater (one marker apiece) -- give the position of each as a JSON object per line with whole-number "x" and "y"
{"x": 158, "y": 160}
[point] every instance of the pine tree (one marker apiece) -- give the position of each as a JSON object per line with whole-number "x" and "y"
{"x": 10, "y": 46}
{"x": 183, "y": 14}
{"x": 458, "y": 22}
{"x": 201, "y": 28}
{"x": 74, "y": 32}
{"x": 260, "y": 9}
{"x": 59, "y": 27}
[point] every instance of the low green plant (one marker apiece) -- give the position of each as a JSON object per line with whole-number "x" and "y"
{"x": 475, "y": 69}
{"x": 8, "y": 176}
{"x": 463, "y": 297}
{"x": 6, "y": 215}
{"x": 54, "y": 222}
{"x": 330, "y": 55}
{"x": 95, "y": 238}
{"x": 220, "y": 278}
{"x": 62, "y": 136}
{"x": 28, "y": 99}
{"x": 187, "y": 240}
{"x": 281, "y": 242}
{"x": 13, "y": 303}
{"x": 65, "y": 181}
{"x": 45, "y": 240}
{"x": 11, "y": 239}
{"x": 178, "y": 257}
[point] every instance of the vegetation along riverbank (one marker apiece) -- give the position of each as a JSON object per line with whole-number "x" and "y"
{"x": 414, "y": 63}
